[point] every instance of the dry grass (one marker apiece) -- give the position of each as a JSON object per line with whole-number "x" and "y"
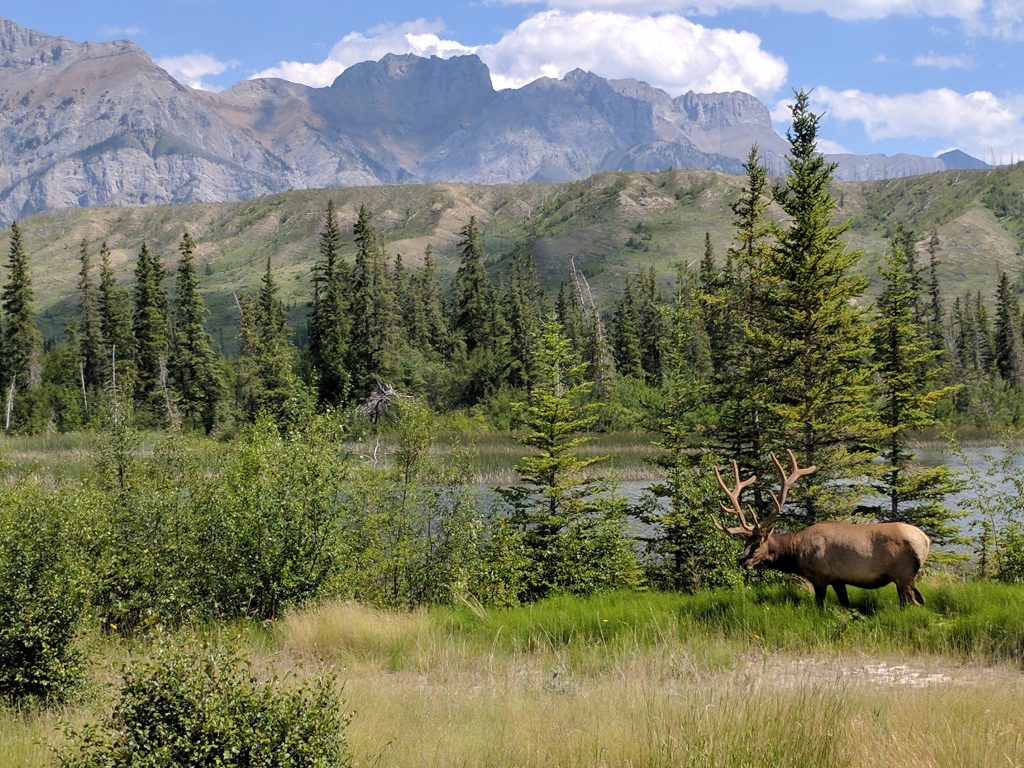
{"x": 426, "y": 692}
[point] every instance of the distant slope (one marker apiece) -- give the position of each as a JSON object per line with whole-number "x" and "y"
{"x": 612, "y": 225}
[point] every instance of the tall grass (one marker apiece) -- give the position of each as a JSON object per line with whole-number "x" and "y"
{"x": 750, "y": 677}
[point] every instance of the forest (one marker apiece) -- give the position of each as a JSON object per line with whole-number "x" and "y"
{"x": 335, "y": 468}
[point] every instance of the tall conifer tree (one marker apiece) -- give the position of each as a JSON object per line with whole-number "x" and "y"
{"x": 115, "y": 316}
{"x": 91, "y": 346}
{"x": 904, "y": 360}
{"x": 628, "y": 350}
{"x": 1008, "y": 343}
{"x": 329, "y": 320}
{"x": 819, "y": 382}
{"x": 193, "y": 362}
{"x": 20, "y": 337}
{"x": 152, "y": 340}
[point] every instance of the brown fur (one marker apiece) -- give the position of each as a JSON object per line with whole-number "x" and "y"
{"x": 837, "y": 553}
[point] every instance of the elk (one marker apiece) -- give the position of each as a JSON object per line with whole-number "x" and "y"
{"x": 833, "y": 552}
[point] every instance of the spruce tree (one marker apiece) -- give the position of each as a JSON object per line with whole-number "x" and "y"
{"x": 375, "y": 342}
{"x": 329, "y": 320}
{"x": 688, "y": 553}
{"x": 1009, "y": 347}
{"x": 523, "y": 308}
{"x": 904, "y": 359}
{"x": 476, "y": 317}
{"x": 934, "y": 314}
{"x": 572, "y": 524}
{"x": 152, "y": 341}
{"x": 20, "y": 337}
{"x": 569, "y": 312}
{"x": 431, "y": 327}
{"x": 743, "y": 365}
{"x": 628, "y": 349}
{"x": 91, "y": 347}
{"x": 268, "y": 383}
{"x": 650, "y": 316}
{"x": 815, "y": 339}
{"x": 115, "y": 317}
{"x": 193, "y": 361}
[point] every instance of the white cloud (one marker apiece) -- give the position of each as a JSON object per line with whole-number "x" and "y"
{"x": 1007, "y": 19}
{"x": 979, "y": 123}
{"x": 883, "y": 58}
{"x": 830, "y": 147}
{"x": 191, "y": 68}
{"x": 944, "y": 62}
{"x": 848, "y": 9}
{"x": 420, "y": 37}
{"x": 667, "y": 51}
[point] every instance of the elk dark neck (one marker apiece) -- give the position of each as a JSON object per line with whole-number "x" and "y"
{"x": 782, "y": 550}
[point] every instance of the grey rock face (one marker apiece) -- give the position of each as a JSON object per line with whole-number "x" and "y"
{"x": 101, "y": 124}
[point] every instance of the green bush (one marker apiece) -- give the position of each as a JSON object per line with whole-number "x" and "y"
{"x": 40, "y": 595}
{"x": 265, "y": 526}
{"x": 208, "y": 708}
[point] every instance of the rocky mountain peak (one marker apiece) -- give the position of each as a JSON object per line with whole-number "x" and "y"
{"x": 724, "y": 109}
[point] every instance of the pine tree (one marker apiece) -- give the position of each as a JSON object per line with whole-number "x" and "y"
{"x": 524, "y": 310}
{"x": 20, "y": 337}
{"x": 1009, "y": 347}
{"x": 934, "y": 314}
{"x": 572, "y": 526}
{"x": 431, "y": 327}
{"x": 740, "y": 418}
{"x": 985, "y": 337}
{"x": 650, "y": 315}
{"x": 193, "y": 362}
{"x": 115, "y": 316}
{"x": 628, "y": 350}
{"x": 374, "y": 344}
{"x": 268, "y": 383}
{"x": 92, "y": 356}
{"x": 329, "y": 323}
{"x": 152, "y": 341}
{"x": 689, "y": 554}
{"x": 477, "y": 318}
{"x": 569, "y": 312}
{"x": 816, "y": 340}
{"x": 904, "y": 359}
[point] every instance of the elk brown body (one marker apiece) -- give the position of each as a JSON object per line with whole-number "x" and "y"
{"x": 829, "y": 553}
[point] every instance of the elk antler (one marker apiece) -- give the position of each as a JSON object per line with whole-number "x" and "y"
{"x": 744, "y": 529}
{"x": 787, "y": 482}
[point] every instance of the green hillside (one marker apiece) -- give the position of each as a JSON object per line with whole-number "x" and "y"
{"x": 610, "y": 224}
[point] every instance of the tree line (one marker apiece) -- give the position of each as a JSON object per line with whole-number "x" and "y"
{"x": 772, "y": 346}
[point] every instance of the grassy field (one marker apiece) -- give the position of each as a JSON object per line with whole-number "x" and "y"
{"x": 753, "y": 677}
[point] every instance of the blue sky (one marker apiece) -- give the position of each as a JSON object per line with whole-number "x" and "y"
{"x": 891, "y": 76}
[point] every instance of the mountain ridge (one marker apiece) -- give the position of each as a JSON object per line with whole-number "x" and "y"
{"x": 96, "y": 124}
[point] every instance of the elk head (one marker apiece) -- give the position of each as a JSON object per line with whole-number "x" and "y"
{"x": 757, "y": 551}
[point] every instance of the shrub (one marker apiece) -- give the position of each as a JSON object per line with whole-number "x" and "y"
{"x": 208, "y": 708}
{"x": 40, "y": 596}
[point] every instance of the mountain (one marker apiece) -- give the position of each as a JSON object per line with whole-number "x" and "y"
{"x": 957, "y": 160}
{"x": 100, "y": 124}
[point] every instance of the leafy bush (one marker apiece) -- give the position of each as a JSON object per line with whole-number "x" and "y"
{"x": 410, "y": 527}
{"x": 208, "y": 708}
{"x": 265, "y": 526}
{"x": 40, "y": 595}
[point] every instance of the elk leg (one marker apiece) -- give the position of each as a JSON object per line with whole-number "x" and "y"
{"x": 905, "y": 594}
{"x": 840, "y": 589}
{"x": 819, "y": 595}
